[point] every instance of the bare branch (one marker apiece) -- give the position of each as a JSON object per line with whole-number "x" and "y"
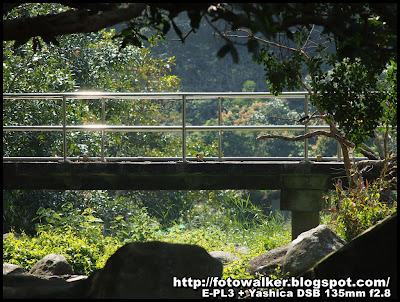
{"x": 378, "y": 144}
{"x": 368, "y": 152}
{"x": 184, "y": 38}
{"x": 250, "y": 35}
{"x": 342, "y": 140}
{"x": 322, "y": 117}
{"x": 223, "y": 35}
{"x": 296, "y": 138}
{"x": 309, "y": 35}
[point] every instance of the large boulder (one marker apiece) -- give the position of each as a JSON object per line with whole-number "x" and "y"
{"x": 310, "y": 247}
{"x": 46, "y": 280}
{"x": 142, "y": 270}
{"x": 27, "y": 286}
{"x": 371, "y": 255}
{"x": 50, "y": 265}
{"x": 10, "y": 269}
{"x": 266, "y": 264}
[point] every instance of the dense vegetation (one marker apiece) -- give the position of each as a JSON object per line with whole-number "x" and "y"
{"x": 88, "y": 226}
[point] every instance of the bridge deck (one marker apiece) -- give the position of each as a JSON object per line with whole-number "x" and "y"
{"x": 173, "y": 175}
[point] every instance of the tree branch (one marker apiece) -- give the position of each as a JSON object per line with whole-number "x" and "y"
{"x": 309, "y": 135}
{"x": 368, "y": 152}
{"x": 73, "y": 21}
{"x": 377, "y": 163}
{"x": 250, "y": 35}
{"x": 296, "y": 138}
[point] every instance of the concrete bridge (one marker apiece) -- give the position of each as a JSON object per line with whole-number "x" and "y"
{"x": 302, "y": 184}
{"x": 303, "y": 181}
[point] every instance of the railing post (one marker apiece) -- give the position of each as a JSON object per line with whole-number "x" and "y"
{"x": 103, "y": 118}
{"x": 306, "y": 128}
{"x": 64, "y": 117}
{"x": 184, "y": 128}
{"x": 219, "y": 131}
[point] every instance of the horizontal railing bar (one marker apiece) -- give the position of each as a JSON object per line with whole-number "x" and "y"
{"x": 145, "y": 95}
{"x": 163, "y": 128}
{"x": 32, "y": 128}
{"x": 140, "y": 158}
{"x": 254, "y": 128}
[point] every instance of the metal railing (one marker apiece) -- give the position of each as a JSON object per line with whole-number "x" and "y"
{"x": 184, "y": 128}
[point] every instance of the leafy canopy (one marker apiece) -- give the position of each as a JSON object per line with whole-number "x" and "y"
{"x": 354, "y": 93}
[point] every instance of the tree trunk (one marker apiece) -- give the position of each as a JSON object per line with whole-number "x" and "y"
{"x": 347, "y": 164}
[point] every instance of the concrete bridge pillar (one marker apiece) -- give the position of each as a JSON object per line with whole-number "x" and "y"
{"x": 305, "y": 206}
{"x": 302, "y": 194}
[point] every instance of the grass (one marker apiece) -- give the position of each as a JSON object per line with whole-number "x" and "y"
{"x": 87, "y": 248}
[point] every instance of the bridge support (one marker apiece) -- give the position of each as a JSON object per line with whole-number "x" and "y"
{"x": 305, "y": 206}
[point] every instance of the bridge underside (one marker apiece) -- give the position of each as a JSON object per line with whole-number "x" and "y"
{"x": 173, "y": 175}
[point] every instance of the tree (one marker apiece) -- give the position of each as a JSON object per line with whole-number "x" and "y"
{"x": 352, "y": 97}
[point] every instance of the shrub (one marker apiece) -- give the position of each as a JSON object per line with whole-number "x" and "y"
{"x": 82, "y": 254}
{"x": 357, "y": 209}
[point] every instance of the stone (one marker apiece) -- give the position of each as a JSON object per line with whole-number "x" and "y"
{"x": 10, "y": 269}
{"x": 27, "y": 286}
{"x": 224, "y": 257}
{"x": 310, "y": 247}
{"x": 371, "y": 255}
{"x": 52, "y": 264}
{"x": 142, "y": 270}
{"x": 266, "y": 263}
{"x": 241, "y": 249}
{"x": 15, "y": 235}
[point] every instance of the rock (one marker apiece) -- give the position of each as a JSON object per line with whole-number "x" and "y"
{"x": 224, "y": 257}
{"x": 310, "y": 247}
{"x": 147, "y": 270}
{"x": 15, "y": 235}
{"x": 27, "y": 286}
{"x": 371, "y": 255}
{"x": 52, "y": 264}
{"x": 10, "y": 269}
{"x": 241, "y": 249}
{"x": 266, "y": 263}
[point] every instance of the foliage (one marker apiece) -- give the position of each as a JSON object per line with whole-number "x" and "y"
{"x": 90, "y": 62}
{"x": 345, "y": 89}
{"x": 79, "y": 238}
{"x": 349, "y": 96}
{"x": 98, "y": 63}
{"x": 20, "y": 206}
{"x": 358, "y": 209}
{"x": 325, "y": 146}
{"x": 388, "y": 89}
{"x": 82, "y": 253}
{"x": 360, "y": 29}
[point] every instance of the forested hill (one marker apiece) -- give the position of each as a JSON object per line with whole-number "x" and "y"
{"x": 198, "y": 66}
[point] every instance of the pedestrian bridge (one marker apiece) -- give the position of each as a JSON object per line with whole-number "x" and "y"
{"x": 303, "y": 181}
